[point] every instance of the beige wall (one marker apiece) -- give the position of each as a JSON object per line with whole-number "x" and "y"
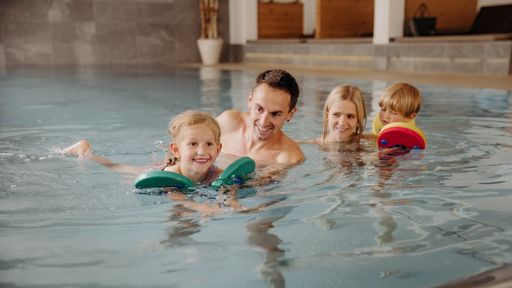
{"x": 101, "y": 32}
{"x": 493, "y": 2}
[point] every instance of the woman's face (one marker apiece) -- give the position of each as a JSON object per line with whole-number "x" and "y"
{"x": 341, "y": 121}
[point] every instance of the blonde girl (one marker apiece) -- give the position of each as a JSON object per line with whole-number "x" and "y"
{"x": 194, "y": 148}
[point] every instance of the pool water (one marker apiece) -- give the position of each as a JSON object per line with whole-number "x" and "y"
{"x": 344, "y": 218}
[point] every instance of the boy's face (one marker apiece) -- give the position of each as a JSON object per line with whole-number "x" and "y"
{"x": 268, "y": 111}
{"x": 387, "y": 116}
{"x": 196, "y": 148}
{"x": 341, "y": 121}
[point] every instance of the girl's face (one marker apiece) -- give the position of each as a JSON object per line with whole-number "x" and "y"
{"x": 196, "y": 149}
{"x": 341, "y": 121}
{"x": 387, "y": 116}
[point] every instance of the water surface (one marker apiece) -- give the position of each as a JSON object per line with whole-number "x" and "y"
{"x": 345, "y": 217}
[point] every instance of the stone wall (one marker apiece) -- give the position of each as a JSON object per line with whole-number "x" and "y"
{"x": 102, "y": 32}
{"x": 482, "y": 57}
{"x": 477, "y": 57}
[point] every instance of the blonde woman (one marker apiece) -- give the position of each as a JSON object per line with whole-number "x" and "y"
{"x": 344, "y": 116}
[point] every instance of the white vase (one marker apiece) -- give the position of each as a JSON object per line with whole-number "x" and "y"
{"x": 210, "y": 50}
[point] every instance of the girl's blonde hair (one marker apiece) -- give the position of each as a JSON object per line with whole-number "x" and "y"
{"x": 346, "y": 92}
{"x": 191, "y": 118}
{"x": 402, "y": 98}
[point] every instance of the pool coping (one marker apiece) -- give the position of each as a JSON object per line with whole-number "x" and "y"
{"x": 447, "y": 79}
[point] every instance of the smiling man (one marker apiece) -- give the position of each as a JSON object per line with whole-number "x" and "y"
{"x": 258, "y": 132}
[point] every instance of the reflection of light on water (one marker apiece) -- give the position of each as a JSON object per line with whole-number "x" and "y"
{"x": 210, "y": 75}
{"x": 210, "y": 87}
{"x": 241, "y": 85}
{"x": 160, "y": 149}
{"x": 378, "y": 88}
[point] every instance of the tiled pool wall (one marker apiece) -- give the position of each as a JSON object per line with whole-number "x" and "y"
{"x": 54, "y": 33}
{"x": 101, "y": 32}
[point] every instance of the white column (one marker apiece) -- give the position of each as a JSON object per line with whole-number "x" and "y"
{"x": 243, "y": 21}
{"x": 388, "y": 20}
{"x": 309, "y": 16}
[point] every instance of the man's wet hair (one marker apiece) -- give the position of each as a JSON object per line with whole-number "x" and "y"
{"x": 282, "y": 80}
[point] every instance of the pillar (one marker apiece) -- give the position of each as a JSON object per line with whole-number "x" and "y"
{"x": 388, "y": 20}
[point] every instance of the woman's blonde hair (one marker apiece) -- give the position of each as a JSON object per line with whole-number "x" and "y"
{"x": 191, "y": 118}
{"x": 402, "y": 98}
{"x": 346, "y": 92}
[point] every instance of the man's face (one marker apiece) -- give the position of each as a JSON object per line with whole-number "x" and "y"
{"x": 268, "y": 111}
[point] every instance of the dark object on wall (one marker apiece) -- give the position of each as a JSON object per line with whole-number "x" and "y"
{"x": 493, "y": 19}
{"x": 488, "y": 20}
{"x": 422, "y": 24}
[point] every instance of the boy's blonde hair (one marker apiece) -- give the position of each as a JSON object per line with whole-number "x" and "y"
{"x": 346, "y": 92}
{"x": 402, "y": 98}
{"x": 191, "y": 118}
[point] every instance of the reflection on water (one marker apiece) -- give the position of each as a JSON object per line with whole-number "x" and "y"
{"x": 347, "y": 216}
{"x": 211, "y": 88}
{"x": 259, "y": 235}
{"x": 184, "y": 226}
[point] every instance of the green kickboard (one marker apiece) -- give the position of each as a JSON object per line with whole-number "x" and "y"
{"x": 237, "y": 170}
{"x": 160, "y": 179}
{"x": 235, "y": 173}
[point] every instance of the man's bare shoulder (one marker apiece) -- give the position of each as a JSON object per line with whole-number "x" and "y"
{"x": 230, "y": 114}
{"x": 230, "y": 120}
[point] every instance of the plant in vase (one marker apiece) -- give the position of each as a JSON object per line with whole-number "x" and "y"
{"x": 210, "y": 44}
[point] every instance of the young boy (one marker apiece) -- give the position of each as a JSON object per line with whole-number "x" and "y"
{"x": 400, "y": 102}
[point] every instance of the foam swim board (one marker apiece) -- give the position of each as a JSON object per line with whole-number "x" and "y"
{"x": 402, "y": 135}
{"x": 160, "y": 179}
{"x": 235, "y": 173}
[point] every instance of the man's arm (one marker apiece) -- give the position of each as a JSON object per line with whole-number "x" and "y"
{"x": 292, "y": 155}
{"x": 290, "y": 158}
{"x": 286, "y": 159}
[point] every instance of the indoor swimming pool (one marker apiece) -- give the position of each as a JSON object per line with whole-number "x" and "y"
{"x": 343, "y": 218}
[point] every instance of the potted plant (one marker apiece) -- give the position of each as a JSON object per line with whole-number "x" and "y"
{"x": 210, "y": 44}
